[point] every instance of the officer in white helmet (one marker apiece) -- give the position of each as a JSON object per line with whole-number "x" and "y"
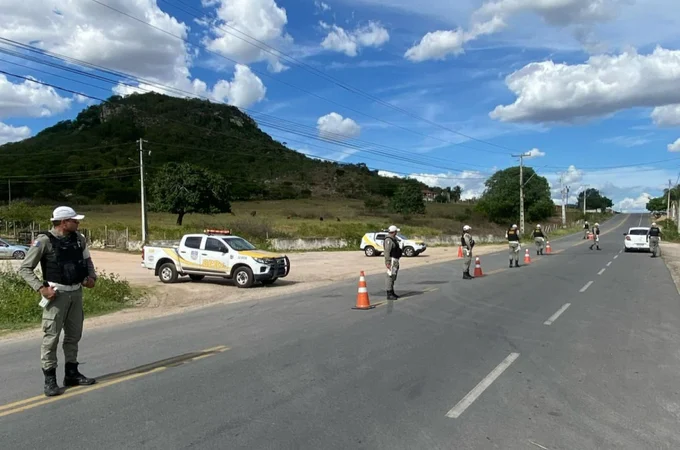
{"x": 539, "y": 239}
{"x": 467, "y": 243}
{"x": 653, "y": 237}
{"x": 596, "y": 236}
{"x": 512, "y": 235}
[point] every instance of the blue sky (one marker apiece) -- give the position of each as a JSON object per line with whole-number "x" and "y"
{"x": 589, "y": 86}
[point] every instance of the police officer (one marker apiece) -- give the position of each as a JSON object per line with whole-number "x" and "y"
{"x": 467, "y": 243}
{"x": 512, "y": 235}
{"x": 66, "y": 267}
{"x": 653, "y": 235}
{"x": 393, "y": 253}
{"x": 586, "y": 227}
{"x": 596, "y": 236}
{"x": 539, "y": 239}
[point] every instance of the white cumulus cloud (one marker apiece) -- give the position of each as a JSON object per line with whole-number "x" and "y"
{"x": 9, "y": 133}
{"x": 30, "y": 99}
{"x": 90, "y": 32}
{"x": 334, "y": 126}
{"x": 667, "y": 116}
{"x": 243, "y": 91}
{"x": 492, "y": 17}
{"x": 551, "y": 92}
{"x": 321, "y": 6}
{"x": 629, "y": 204}
{"x": 675, "y": 146}
{"x": 350, "y": 42}
{"x": 263, "y": 20}
{"x": 535, "y": 153}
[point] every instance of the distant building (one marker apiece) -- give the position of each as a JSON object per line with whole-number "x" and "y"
{"x": 429, "y": 195}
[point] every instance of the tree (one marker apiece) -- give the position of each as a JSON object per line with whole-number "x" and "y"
{"x": 456, "y": 193}
{"x": 657, "y": 204}
{"x": 594, "y": 200}
{"x": 182, "y": 188}
{"x": 408, "y": 199}
{"x": 500, "y": 201}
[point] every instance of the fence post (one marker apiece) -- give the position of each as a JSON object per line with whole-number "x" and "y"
{"x": 106, "y": 236}
{"x": 127, "y": 238}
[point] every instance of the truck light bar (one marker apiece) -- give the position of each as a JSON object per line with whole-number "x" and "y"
{"x": 214, "y": 231}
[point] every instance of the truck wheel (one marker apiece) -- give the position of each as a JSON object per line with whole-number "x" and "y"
{"x": 196, "y": 277}
{"x": 369, "y": 251}
{"x": 167, "y": 273}
{"x": 409, "y": 251}
{"x": 243, "y": 277}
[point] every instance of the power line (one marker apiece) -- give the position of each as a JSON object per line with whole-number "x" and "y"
{"x": 273, "y": 122}
{"x": 301, "y": 89}
{"x": 264, "y": 46}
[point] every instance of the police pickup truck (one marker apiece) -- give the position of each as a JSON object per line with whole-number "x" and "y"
{"x": 215, "y": 253}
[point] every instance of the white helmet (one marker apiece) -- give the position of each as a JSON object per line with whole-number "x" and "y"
{"x": 514, "y": 226}
{"x": 467, "y": 228}
{"x": 653, "y": 224}
{"x": 597, "y": 224}
{"x": 538, "y": 226}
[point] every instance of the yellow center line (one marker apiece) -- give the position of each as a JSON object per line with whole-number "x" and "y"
{"x": 39, "y": 400}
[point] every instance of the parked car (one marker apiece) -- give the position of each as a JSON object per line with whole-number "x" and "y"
{"x": 13, "y": 251}
{"x": 372, "y": 244}
{"x": 636, "y": 239}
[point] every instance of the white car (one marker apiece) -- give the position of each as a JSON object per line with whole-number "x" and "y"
{"x": 372, "y": 244}
{"x": 636, "y": 239}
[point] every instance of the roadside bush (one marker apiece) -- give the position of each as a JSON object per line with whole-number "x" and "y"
{"x": 19, "y": 303}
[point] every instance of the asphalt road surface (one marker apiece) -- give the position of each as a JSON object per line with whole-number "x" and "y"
{"x": 577, "y": 350}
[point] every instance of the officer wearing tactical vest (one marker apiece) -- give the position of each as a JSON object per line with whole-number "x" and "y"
{"x": 539, "y": 239}
{"x": 512, "y": 235}
{"x": 653, "y": 235}
{"x": 596, "y": 236}
{"x": 66, "y": 267}
{"x": 392, "y": 254}
{"x": 467, "y": 243}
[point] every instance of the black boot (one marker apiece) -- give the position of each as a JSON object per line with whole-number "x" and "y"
{"x": 51, "y": 387}
{"x": 516, "y": 263}
{"x": 391, "y": 296}
{"x": 511, "y": 263}
{"x": 394, "y": 294}
{"x": 466, "y": 275}
{"x": 74, "y": 378}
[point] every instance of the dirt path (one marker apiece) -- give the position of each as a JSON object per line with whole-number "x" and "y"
{"x": 308, "y": 271}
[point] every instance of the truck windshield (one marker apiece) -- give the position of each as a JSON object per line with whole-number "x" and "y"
{"x": 239, "y": 244}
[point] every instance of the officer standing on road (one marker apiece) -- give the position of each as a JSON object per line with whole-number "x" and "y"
{"x": 596, "y": 236}
{"x": 586, "y": 227}
{"x": 512, "y": 235}
{"x": 539, "y": 239}
{"x": 66, "y": 267}
{"x": 653, "y": 235}
{"x": 467, "y": 243}
{"x": 392, "y": 255}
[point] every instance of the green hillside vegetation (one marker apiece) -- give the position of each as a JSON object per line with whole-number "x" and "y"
{"x": 99, "y": 152}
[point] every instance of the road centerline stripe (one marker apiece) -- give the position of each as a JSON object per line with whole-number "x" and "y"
{"x": 583, "y": 289}
{"x": 559, "y": 312}
{"x": 609, "y": 263}
{"x": 601, "y": 271}
{"x": 471, "y": 396}
{"x": 616, "y": 256}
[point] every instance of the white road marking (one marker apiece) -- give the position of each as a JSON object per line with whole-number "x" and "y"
{"x": 583, "y": 289}
{"x": 609, "y": 263}
{"x": 640, "y": 223}
{"x": 469, "y": 399}
{"x": 620, "y": 251}
{"x": 616, "y": 256}
{"x": 601, "y": 271}
{"x": 557, "y": 314}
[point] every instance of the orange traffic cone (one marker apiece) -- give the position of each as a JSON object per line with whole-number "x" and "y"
{"x": 527, "y": 257}
{"x": 590, "y": 236}
{"x": 548, "y": 249}
{"x": 460, "y": 251}
{"x": 362, "y": 295}
{"x": 478, "y": 268}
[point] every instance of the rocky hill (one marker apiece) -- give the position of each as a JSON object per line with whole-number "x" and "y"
{"x": 98, "y": 152}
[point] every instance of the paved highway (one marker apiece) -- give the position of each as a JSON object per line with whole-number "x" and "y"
{"x": 578, "y": 350}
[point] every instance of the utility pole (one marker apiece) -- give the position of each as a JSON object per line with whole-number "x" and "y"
{"x": 585, "y": 194}
{"x": 521, "y": 191}
{"x": 141, "y": 180}
{"x": 668, "y": 205}
{"x": 564, "y": 206}
{"x": 9, "y": 188}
